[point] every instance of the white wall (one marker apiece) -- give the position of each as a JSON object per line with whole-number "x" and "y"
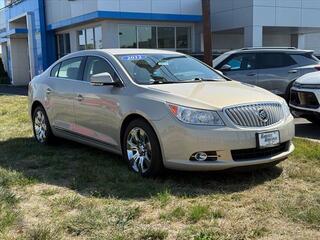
{"x": 227, "y": 41}
{"x": 231, "y": 14}
{"x": 276, "y": 40}
{"x": 57, "y": 10}
{"x": 310, "y": 41}
{"x": 287, "y": 13}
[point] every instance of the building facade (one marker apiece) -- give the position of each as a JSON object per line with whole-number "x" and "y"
{"x": 257, "y": 23}
{"x": 35, "y": 33}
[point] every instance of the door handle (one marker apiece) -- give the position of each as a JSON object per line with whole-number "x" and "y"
{"x": 48, "y": 91}
{"x": 293, "y": 71}
{"x": 251, "y": 74}
{"x": 79, "y": 97}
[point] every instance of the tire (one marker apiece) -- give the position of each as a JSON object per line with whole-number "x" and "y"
{"x": 287, "y": 93}
{"x": 41, "y": 126}
{"x": 141, "y": 149}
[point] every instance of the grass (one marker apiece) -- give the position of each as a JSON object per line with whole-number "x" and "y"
{"x": 70, "y": 191}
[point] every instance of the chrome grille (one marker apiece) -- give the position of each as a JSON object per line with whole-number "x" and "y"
{"x": 255, "y": 115}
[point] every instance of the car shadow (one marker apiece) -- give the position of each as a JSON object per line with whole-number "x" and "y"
{"x": 90, "y": 171}
{"x": 308, "y": 130}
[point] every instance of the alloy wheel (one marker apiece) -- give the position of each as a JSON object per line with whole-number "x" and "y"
{"x": 40, "y": 126}
{"x": 139, "y": 150}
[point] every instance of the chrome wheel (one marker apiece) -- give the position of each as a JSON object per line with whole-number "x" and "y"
{"x": 40, "y": 126}
{"x": 139, "y": 150}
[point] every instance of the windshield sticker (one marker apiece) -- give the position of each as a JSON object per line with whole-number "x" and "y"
{"x": 133, "y": 57}
{"x": 163, "y": 63}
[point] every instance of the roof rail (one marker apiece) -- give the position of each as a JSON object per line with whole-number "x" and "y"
{"x": 250, "y": 48}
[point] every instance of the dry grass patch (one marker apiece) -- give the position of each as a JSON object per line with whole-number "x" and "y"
{"x": 70, "y": 191}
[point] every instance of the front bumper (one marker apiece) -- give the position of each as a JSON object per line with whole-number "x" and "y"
{"x": 304, "y": 101}
{"x": 180, "y": 141}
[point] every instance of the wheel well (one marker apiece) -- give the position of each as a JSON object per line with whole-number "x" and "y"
{"x": 287, "y": 93}
{"x": 34, "y": 106}
{"x": 127, "y": 121}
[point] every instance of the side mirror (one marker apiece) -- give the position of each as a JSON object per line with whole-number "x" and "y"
{"x": 225, "y": 67}
{"x": 102, "y": 79}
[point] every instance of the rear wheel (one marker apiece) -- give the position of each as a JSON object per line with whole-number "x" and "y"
{"x": 141, "y": 149}
{"x": 41, "y": 126}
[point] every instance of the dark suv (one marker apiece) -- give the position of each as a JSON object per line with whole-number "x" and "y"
{"x": 274, "y": 69}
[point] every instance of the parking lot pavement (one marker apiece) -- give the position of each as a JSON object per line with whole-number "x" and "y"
{"x": 14, "y": 90}
{"x": 305, "y": 129}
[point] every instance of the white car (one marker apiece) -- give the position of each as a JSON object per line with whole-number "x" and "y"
{"x": 305, "y": 97}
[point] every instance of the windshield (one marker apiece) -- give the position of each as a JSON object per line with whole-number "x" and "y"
{"x": 166, "y": 68}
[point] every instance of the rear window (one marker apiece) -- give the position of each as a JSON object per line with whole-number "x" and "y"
{"x": 55, "y": 70}
{"x": 275, "y": 60}
{"x": 305, "y": 59}
{"x": 70, "y": 68}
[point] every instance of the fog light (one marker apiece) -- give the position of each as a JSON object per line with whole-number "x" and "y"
{"x": 200, "y": 156}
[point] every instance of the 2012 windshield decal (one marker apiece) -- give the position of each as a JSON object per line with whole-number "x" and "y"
{"x": 133, "y": 57}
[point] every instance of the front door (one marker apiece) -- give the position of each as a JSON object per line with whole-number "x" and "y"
{"x": 97, "y": 107}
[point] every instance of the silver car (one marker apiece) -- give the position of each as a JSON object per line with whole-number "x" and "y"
{"x": 274, "y": 69}
{"x": 159, "y": 109}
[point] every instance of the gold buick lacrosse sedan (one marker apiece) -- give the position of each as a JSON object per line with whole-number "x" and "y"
{"x": 159, "y": 109}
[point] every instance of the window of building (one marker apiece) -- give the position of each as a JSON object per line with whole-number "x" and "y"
{"x": 70, "y": 68}
{"x": 98, "y": 37}
{"x": 183, "y": 38}
{"x": 166, "y": 37}
{"x": 90, "y": 38}
{"x": 63, "y": 44}
{"x": 175, "y": 38}
{"x": 82, "y": 40}
{"x": 96, "y": 65}
{"x": 147, "y": 37}
{"x": 128, "y": 36}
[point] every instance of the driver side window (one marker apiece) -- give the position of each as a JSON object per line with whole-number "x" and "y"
{"x": 242, "y": 62}
{"x": 96, "y": 65}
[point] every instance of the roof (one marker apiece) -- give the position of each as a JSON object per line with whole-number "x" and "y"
{"x": 119, "y": 51}
{"x": 270, "y": 49}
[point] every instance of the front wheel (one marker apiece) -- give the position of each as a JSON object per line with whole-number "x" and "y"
{"x": 41, "y": 126}
{"x": 141, "y": 149}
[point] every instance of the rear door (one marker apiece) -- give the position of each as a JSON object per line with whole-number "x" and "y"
{"x": 60, "y": 92}
{"x": 276, "y": 71}
{"x": 242, "y": 67}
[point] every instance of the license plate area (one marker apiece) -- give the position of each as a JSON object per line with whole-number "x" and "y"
{"x": 268, "y": 139}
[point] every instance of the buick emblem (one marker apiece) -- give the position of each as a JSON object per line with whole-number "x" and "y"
{"x": 262, "y": 115}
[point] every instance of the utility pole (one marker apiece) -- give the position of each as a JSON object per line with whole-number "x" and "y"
{"x": 207, "y": 35}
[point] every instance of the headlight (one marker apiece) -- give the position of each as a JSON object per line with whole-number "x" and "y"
{"x": 286, "y": 109}
{"x": 195, "y": 116}
{"x": 307, "y": 86}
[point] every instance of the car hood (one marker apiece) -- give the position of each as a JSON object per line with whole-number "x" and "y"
{"x": 214, "y": 95}
{"x": 310, "y": 78}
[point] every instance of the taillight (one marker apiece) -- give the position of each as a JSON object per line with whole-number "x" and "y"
{"x": 317, "y": 67}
